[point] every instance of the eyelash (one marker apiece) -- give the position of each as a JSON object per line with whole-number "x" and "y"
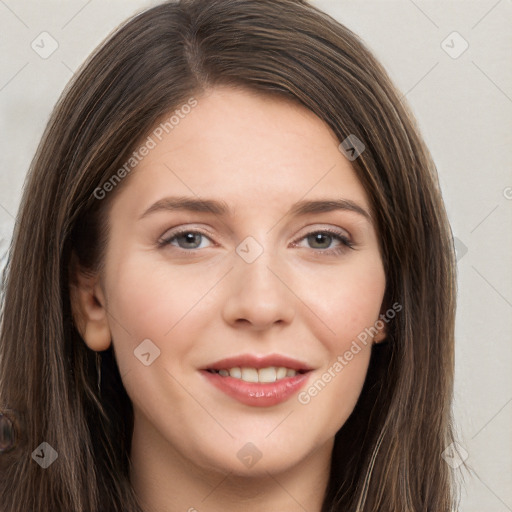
{"x": 345, "y": 242}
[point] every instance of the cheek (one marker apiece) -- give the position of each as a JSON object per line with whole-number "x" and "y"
{"x": 168, "y": 304}
{"x": 348, "y": 303}
{"x": 329, "y": 399}
{"x": 343, "y": 310}
{"x": 153, "y": 301}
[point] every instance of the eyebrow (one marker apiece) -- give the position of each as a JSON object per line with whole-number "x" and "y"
{"x": 221, "y": 208}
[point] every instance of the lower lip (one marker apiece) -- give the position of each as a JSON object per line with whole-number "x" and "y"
{"x": 258, "y": 394}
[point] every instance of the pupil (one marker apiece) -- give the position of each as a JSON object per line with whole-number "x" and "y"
{"x": 190, "y": 238}
{"x": 319, "y": 236}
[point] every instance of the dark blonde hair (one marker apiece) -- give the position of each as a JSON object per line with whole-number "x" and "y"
{"x": 387, "y": 456}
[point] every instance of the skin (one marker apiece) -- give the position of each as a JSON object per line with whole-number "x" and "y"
{"x": 198, "y": 305}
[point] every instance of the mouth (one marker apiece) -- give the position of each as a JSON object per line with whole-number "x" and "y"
{"x": 260, "y": 381}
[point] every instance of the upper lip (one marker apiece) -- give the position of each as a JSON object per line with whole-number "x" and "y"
{"x": 259, "y": 361}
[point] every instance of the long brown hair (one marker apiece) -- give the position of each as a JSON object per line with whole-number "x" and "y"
{"x": 387, "y": 456}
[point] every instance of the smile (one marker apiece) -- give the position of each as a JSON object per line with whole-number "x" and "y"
{"x": 258, "y": 381}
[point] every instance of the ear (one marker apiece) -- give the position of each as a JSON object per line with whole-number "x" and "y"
{"x": 383, "y": 331}
{"x": 88, "y": 306}
{"x": 380, "y": 336}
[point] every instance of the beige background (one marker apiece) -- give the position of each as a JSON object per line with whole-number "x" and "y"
{"x": 464, "y": 107}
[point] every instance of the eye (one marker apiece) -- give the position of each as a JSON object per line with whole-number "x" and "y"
{"x": 185, "y": 239}
{"x": 323, "y": 239}
{"x": 191, "y": 240}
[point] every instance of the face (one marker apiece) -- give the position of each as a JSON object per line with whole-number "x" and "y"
{"x": 204, "y": 300}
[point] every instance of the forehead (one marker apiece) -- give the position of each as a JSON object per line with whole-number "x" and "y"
{"x": 237, "y": 144}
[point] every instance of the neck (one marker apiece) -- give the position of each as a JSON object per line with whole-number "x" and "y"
{"x": 165, "y": 481}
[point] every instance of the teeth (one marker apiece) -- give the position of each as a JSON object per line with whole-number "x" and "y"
{"x": 281, "y": 373}
{"x": 250, "y": 374}
{"x": 235, "y": 372}
{"x": 269, "y": 374}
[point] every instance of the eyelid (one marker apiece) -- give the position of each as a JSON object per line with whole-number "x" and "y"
{"x": 316, "y": 228}
{"x": 165, "y": 239}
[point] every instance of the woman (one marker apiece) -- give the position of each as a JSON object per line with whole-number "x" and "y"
{"x": 173, "y": 338}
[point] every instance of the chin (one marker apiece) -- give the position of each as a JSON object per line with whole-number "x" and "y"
{"x": 254, "y": 458}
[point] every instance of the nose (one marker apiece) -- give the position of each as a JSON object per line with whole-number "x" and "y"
{"x": 258, "y": 295}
